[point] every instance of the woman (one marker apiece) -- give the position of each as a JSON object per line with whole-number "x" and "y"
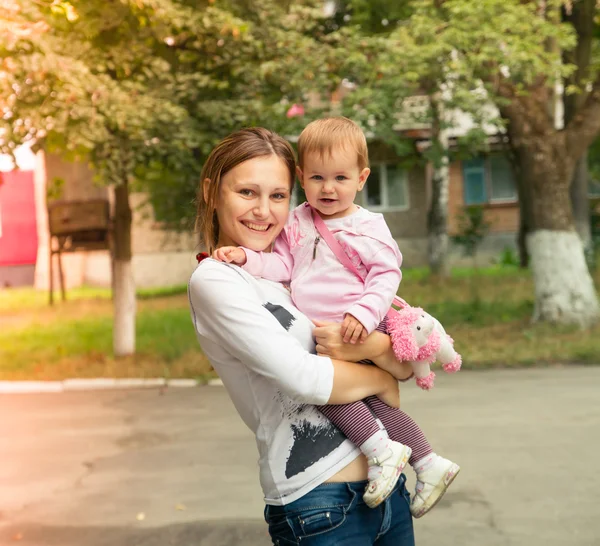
{"x": 262, "y": 347}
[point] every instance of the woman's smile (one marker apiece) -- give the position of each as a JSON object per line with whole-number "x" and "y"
{"x": 257, "y": 227}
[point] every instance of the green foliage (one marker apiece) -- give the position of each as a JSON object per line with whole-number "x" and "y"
{"x": 509, "y": 257}
{"x": 144, "y": 89}
{"x": 472, "y": 229}
{"x": 55, "y": 188}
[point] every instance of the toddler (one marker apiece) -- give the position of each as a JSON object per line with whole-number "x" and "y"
{"x": 333, "y": 167}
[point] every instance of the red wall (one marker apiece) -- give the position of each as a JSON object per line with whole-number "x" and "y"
{"x": 18, "y": 231}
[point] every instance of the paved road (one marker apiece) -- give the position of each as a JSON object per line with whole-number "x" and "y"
{"x": 179, "y": 468}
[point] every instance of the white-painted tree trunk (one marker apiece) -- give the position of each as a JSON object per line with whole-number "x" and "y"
{"x": 124, "y": 309}
{"x": 564, "y": 290}
{"x": 437, "y": 221}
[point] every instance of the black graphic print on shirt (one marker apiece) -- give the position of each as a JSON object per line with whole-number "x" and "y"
{"x": 285, "y": 318}
{"x": 313, "y": 435}
{"x": 312, "y": 442}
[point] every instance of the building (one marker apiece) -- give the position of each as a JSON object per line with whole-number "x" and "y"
{"x": 162, "y": 258}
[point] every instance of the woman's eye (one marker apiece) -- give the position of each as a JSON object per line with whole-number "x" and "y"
{"x": 279, "y": 196}
{"x": 246, "y": 193}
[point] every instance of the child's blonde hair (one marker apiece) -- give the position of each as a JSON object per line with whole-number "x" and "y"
{"x": 325, "y": 135}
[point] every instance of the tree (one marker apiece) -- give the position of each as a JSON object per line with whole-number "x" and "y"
{"x": 143, "y": 89}
{"x": 582, "y": 16}
{"x": 523, "y": 80}
{"x": 522, "y": 53}
{"x": 392, "y": 53}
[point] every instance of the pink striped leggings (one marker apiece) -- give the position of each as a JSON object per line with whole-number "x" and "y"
{"x": 357, "y": 422}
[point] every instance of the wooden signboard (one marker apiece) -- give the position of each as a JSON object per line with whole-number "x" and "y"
{"x": 77, "y": 226}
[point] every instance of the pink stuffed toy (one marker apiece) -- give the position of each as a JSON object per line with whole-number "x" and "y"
{"x": 419, "y": 338}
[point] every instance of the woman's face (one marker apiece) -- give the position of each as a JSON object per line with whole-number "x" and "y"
{"x": 253, "y": 203}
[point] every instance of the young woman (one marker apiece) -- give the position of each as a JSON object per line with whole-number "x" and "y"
{"x": 312, "y": 477}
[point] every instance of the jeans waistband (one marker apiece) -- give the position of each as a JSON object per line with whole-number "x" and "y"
{"x": 328, "y": 495}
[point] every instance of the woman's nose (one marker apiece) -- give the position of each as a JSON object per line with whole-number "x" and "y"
{"x": 262, "y": 209}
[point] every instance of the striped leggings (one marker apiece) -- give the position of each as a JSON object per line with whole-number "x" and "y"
{"x": 358, "y": 422}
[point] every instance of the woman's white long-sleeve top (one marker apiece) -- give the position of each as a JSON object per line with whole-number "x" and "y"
{"x": 262, "y": 348}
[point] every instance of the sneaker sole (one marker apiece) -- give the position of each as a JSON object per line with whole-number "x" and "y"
{"x": 373, "y": 503}
{"x": 439, "y": 491}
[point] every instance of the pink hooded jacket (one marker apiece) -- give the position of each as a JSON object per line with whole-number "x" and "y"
{"x": 322, "y": 288}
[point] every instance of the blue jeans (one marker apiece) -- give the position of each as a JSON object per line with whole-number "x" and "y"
{"x": 335, "y": 514}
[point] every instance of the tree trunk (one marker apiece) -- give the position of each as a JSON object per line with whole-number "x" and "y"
{"x": 564, "y": 290}
{"x": 437, "y": 220}
{"x": 524, "y": 196}
{"x": 580, "y": 202}
{"x": 124, "y": 287}
{"x": 582, "y": 17}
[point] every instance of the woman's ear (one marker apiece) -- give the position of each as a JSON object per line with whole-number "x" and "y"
{"x": 362, "y": 177}
{"x": 205, "y": 189}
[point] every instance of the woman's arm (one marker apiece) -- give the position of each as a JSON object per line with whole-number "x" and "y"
{"x": 227, "y": 311}
{"x": 353, "y": 382}
{"x": 377, "y": 347}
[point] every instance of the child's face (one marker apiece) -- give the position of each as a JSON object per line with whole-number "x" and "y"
{"x": 331, "y": 181}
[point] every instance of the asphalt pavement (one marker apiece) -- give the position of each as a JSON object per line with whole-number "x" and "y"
{"x": 177, "y": 467}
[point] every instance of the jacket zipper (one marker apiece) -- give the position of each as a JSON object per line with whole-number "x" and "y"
{"x": 317, "y": 239}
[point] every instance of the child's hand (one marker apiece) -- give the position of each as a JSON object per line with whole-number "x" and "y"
{"x": 230, "y": 254}
{"x": 353, "y": 330}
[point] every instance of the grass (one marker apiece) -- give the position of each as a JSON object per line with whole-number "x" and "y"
{"x": 25, "y": 298}
{"x": 488, "y": 315}
{"x": 74, "y": 338}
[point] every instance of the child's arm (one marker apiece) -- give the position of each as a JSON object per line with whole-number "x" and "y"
{"x": 230, "y": 255}
{"x": 381, "y": 285}
{"x": 353, "y": 330}
{"x": 274, "y": 266}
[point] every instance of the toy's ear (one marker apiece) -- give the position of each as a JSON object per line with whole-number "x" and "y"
{"x": 404, "y": 343}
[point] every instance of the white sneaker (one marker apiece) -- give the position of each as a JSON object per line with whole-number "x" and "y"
{"x": 435, "y": 481}
{"x": 392, "y": 464}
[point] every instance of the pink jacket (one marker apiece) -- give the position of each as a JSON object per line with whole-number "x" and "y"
{"x": 322, "y": 288}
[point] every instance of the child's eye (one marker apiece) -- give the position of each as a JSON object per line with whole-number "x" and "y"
{"x": 316, "y": 177}
{"x": 340, "y": 177}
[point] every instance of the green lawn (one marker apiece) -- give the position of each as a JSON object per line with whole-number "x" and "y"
{"x": 488, "y": 315}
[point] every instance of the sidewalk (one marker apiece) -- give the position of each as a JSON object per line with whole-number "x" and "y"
{"x": 178, "y": 467}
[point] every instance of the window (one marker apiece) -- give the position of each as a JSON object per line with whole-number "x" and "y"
{"x": 488, "y": 180}
{"x": 386, "y": 188}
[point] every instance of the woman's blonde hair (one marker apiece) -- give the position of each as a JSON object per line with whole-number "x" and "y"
{"x": 325, "y": 135}
{"x": 238, "y": 147}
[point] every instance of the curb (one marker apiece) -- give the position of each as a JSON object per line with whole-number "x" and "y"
{"x": 95, "y": 384}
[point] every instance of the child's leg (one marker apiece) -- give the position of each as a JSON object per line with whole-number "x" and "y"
{"x": 401, "y": 428}
{"x": 434, "y": 473}
{"x": 386, "y": 458}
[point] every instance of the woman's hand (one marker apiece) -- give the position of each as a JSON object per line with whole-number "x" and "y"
{"x": 377, "y": 347}
{"x": 330, "y": 342}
